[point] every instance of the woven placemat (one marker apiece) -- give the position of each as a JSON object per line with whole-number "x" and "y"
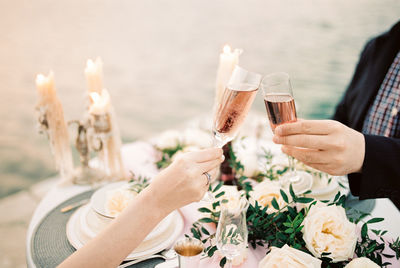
{"x": 50, "y": 245}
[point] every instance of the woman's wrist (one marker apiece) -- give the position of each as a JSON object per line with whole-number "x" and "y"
{"x": 151, "y": 199}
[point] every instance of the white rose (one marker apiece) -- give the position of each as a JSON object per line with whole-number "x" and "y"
{"x": 197, "y": 137}
{"x": 168, "y": 139}
{"x": 288, "y": 257}
{"x": 362, "y": 263}
{"x": 246, "y": 152}
{"x": 264, "y": 192}
{"x": 327, "y": 229}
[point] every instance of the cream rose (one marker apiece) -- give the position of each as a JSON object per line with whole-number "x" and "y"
{"x": 362, "y": 263}
{"x": 169, "y": 139}
{"x": 118, "y": 200}
{"x": 264, "y": 192}
{"x": 288, "y": 257}
{"x": 327, "y": 229}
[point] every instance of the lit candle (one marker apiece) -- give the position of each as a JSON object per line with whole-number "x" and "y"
{"x": 94, "y": 75}
{"x": 100, "y": 103}
{"x": 53, "y": 115}
{"x": 228, "y": 59}
{"x": 104, "y": 120}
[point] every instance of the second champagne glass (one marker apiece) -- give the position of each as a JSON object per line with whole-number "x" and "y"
{"x": 281, "y": 109}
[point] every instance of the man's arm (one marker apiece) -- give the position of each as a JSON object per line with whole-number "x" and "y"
{"x": 329, "y": 146}
{"x": 380, "y": 173}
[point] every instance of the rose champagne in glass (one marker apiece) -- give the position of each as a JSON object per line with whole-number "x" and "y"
{"x": 235, "y": 104}
{"x": 232, "y": 109}
{"x": 281, "y": 109}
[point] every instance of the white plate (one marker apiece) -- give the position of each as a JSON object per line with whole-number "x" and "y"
{"x": 91, "y": 223}
{"x": 98, "y": 204}
{"x": 77, "y": 240}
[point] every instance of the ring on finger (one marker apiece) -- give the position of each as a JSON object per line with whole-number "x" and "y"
{"x": 208, "y": 177}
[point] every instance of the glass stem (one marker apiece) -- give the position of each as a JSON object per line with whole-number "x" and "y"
{"x": 294, "y": 178}
{"x": 218, "y": 143}
{"x": 229, "y": 262}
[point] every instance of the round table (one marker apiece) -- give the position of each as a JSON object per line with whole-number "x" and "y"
{"x": 141, "y": 161}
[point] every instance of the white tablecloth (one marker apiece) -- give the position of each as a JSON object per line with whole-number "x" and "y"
{"x": 139, "y": 158}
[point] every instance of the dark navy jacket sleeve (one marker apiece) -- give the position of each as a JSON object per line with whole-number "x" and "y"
{"x": 380, "y": 175}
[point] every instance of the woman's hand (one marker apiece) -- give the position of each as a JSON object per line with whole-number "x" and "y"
{"x": 326, "y": 145}
{"x": 184, "y": 181}
{"x": 181, "y": 183}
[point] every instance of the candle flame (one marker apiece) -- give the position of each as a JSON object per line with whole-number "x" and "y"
{"x": 227, "y": 49}
{"x": 90, "y": 65}
{"x": 95, "y": 97}
{"x": 40, "y": 79}
{"x": 94, "y": 64}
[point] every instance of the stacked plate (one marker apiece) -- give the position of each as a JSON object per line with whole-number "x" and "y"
{"x": 91, "y": 219}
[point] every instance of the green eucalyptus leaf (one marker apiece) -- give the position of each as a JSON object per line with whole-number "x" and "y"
{"x": 205, "y": 231}
{"x": 222, "y": 262}
{"x": 304, "y": 200}
{"x": 212, "y": 250}
{"x": 219, "y": 185}
{"x": 275, "y": 204}
{"x": 364, "y": 230}
{"x": 206, "y": 220}
{"x": 284, "y": 196}
{"x": 220, "y": 194}
{"x": 204, "y": 210}
{"x": 374, "y": 220}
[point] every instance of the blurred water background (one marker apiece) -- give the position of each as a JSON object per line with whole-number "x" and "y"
{"x": 160, "y": 60}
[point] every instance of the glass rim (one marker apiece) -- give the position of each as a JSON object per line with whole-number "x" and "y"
{"x": 276, "y": 74}
{"x": 253, "y": 76}
{"x": 243, "y": 205}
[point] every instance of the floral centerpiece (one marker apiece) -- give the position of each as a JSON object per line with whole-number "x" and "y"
{"x": 297, "y": 230}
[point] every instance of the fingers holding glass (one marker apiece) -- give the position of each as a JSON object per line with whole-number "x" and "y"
{"x": 281, "y": 110}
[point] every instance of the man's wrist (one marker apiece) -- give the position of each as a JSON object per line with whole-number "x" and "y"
{"x": 361, "y": 154}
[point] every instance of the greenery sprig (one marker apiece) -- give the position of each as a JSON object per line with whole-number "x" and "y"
{"x": 395, "y": 246}
{"x": 138, "y": 184}
{"x": 284, "y": 226}
{"x": 167, "y": 154}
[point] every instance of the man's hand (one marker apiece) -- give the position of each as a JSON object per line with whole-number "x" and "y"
{"x": 326, "y": 145}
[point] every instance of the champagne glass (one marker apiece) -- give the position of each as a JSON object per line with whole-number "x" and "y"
{"x": 234, "y": 105}
{"x": 281, "y": 109}
{"x": 232, "y": 230}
